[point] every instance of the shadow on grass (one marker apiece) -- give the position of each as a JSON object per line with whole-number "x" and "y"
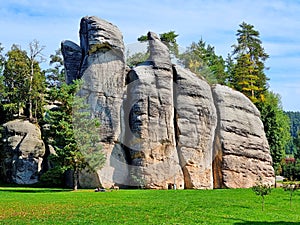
{"x": 32, "y": 190}
{"x": 266, "y": 223}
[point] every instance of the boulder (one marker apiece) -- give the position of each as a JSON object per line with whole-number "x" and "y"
{"x": 23, "y": 151}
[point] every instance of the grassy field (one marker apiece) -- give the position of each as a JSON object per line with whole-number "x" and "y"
{"x": 57, "y": 206}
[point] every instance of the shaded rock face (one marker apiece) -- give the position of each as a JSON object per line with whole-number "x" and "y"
{"x": 161, "y": 124}
{"x": 23, "y": 151}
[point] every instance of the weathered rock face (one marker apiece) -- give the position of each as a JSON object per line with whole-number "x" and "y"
{"x": 196, "y": 122}
{"x": 23, "y": 151}
{"x": 102, "y": 69}
{"x": 241, "y": 148}
{"x": 150, "y": 108}
{"x": 162, "y": 125}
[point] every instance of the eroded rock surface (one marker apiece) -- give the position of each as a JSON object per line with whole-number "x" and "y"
{"x": 243, "y": 151}
{"x": 161, "y": 124}
{"x": 23, "y": 151}
{"x": 150, "y": 108}
{"x": 196, "y": 121}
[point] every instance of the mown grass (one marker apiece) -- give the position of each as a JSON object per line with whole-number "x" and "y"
{"x": 58, "y": 206}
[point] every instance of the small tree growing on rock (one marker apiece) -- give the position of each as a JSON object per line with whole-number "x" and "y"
{"x": 262, "y": 190}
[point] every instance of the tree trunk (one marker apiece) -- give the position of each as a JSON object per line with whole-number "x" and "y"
{"x": 75, "y": 179}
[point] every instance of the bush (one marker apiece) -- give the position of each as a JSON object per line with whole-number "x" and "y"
{"x": 53, "y": 178}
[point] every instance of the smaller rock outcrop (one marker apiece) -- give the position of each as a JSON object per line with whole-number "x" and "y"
{"x": 22, "y": 153}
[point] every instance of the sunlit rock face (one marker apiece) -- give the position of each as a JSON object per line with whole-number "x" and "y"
{"x": 161, "y": 124}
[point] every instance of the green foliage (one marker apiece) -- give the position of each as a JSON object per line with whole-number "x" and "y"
{"x": 291, "y": 188}
{"x": 262, "y": 190}
{"x": 16, "y": 80}
{"x": 137, "y": 58}
{"x": 22, "y": 84}
{"x": 293, "y": 146}
{"x": 203, "y": 61}
{"x": 247, "y": 74}
{"x": 143, "y": 38}
{"x": 276, "y": 125}
{"x": 168, "y": 38}
{"x": 55, "y": 75}
{"x": 54, "y": 177}
{"x": 73, "y": 133}
{"x": 291, "y": 170}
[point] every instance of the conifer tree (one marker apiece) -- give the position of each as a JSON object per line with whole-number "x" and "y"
{"x": 249, "y": 53}
{"x": 202, "y": 60}
{"x": 73, "y": 134}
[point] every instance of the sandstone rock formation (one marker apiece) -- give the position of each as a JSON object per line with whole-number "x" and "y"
{"x": 102, "y": 67}
{"x": 241, "y": 148}
{"x": 161, "y": 124}
{"x": 22, "y": 153}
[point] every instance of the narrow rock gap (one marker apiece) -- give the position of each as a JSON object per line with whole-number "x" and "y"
{"x": 217, "y": 154}
{"x": 176, "y": 127}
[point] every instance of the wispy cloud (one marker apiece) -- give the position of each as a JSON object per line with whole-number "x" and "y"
{"x": 51, "y": 21}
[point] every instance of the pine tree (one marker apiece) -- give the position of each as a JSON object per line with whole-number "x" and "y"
{"x": 55, "y": 75}
{"x": 249, "y": 53}
{"x": 73, "y": 133}
{"x": 202, "y": 60}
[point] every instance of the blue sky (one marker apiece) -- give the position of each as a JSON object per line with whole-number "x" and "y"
{"x": 216, "y": 21}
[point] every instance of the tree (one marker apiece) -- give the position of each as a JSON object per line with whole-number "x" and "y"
{"x": 248, "y": 74}
{"x": 276, "y": 125}
{"x": 73, "y": 133}
{"x": 168, "y": 38}
{"x": 23, "y": 83}
{"x": 293, "y": 146}
{"x": 2, "y": 90}
{"x": 16, "y": 80}
{"x": 137, "y": 58}
{"x": 261, "y": 190}
{"x": 35, "y": 57}
{"x": 297, "y": 145}
{"x": 55, "y": 75}
{"x": 202, "y": 60}
{"x": 291, "y": 187}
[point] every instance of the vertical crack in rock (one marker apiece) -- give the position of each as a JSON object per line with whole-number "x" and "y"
{"x": 217, "y": 149}
{"x": 176, "y": 127}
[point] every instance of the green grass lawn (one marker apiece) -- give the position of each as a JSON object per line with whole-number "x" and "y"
{"x": 234, "y": 206}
